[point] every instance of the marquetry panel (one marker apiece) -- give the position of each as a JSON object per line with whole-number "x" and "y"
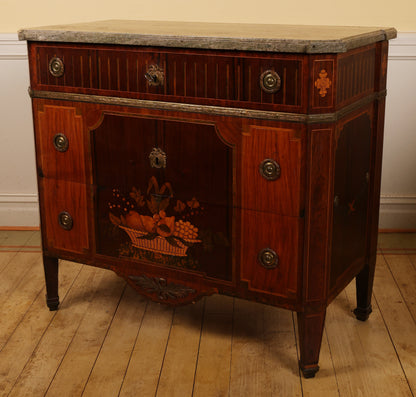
{"x": 355, "y": 75}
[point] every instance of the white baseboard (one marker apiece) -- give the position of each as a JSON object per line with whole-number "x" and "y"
{"x": 397, "y": 212}
{"x": 11, "y": 48}
{"x": 19, "y": 210}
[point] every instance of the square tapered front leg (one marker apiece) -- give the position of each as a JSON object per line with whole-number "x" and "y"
{"x": 310, "y": 329}
{"x": 50, "y": 265}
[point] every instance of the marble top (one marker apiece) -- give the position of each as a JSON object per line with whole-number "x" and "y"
{"x": 222, "y": 36}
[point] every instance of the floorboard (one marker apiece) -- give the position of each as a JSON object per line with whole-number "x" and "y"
{"x": 212, "y": 376}
{"x": 106, "y": 380}
{"x": 398, "y": 320}
{"x": 106, "y": 340}
{"x": 73, "y": 371}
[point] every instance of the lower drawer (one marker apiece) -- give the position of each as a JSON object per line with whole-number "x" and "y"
{"x": 271, "y": 253}
{"x": 64, "y": 215}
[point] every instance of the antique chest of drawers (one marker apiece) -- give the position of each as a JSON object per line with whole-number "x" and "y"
{"x": 194, "y": 159}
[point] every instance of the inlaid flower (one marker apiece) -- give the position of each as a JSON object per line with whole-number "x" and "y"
{"x": 323, "y": 83}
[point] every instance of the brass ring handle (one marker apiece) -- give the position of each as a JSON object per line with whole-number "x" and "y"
{"x": 56, "y": 67}
{"x": 270, "y": 81}
{"x": 65, "y": 220}
{"x": 60, "y": 142}
{"x": 155, "y": 76}
{"x": 269, "y": 169}
{"x": 268, "y": 258}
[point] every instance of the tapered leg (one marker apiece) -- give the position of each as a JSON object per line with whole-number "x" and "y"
{"x": 310, "y": 328}
{"x": 364, "y": 287}
{"x": 50, "y": 266}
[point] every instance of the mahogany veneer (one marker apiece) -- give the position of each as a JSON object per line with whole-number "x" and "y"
{"x": 192, "y": 167}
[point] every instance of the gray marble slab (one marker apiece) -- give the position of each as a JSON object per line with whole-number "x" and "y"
{"x": 221, "y": 36}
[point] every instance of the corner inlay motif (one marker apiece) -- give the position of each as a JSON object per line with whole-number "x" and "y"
{"x": 323, "y": 83}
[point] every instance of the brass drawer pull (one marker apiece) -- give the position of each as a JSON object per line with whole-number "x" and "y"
{"x": 56, "y": 67}
{"x": 65, "y": 220}
{"x": 268, "y": 258}
{"x": 155, "y": 75}
{"x": 269, "y": 169}
{"x": 60, "y": 142}
{"x": 270, "y": 81}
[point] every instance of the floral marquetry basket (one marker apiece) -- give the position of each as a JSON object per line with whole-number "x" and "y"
{"x": 158, "y": 244}
{"x": 151, "y": 228}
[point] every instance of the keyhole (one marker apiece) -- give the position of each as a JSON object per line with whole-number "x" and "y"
{"x": 157, "y": 158}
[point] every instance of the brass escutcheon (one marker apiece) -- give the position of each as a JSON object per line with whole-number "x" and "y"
{"x": 269, "y": 169}
{"x": 155, "y": 75}
{"x": 270, "y": 81}
{"x": 56, "y": 67}
{"x": 268, "y": 258}
{"x": 65, "y": 220}
{"x": 60, "y": 142}
{"x": 157, "y": 158}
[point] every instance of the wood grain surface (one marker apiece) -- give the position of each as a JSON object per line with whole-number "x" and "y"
{"x": 119, "y": 344}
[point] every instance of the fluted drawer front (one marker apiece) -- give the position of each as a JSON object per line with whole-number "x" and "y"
{"x": 233, "y": 79}
{"x": 64, "y": 66}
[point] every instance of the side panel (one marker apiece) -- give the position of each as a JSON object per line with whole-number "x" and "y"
{"x": 351, "y": 180}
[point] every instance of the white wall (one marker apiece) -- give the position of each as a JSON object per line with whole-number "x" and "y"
{"x": 15, "y": 14}
{"x": 18, "y": 197}
{"x": 398, "y": 200}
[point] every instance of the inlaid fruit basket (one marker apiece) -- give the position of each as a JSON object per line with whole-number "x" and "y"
{"x": 158, "y": 244}
{"x": 152, "y": 228}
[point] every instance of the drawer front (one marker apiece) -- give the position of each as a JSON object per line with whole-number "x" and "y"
{"x": 273, "y": 80}
{"x": 270, "y": 253}
{"x": 272, "y": 170}
{"x": 59, "y": 138}
{"x": 63, "y": 66}
{"x": 64, "y": 209}
{"x": 223, "y": 78}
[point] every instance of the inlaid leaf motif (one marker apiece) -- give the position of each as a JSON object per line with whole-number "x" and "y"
{"x": 115, "y": 220}
{"x": 161, "y": 287}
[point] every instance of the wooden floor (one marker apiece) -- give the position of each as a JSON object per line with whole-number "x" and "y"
{"x": 105, "y": 340}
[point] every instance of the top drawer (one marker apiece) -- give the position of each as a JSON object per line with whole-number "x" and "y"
{"x": 223, "y": 78}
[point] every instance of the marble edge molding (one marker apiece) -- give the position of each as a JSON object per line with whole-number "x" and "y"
{"x": 208, "y": 109}
{"x": 211, "y": 42}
